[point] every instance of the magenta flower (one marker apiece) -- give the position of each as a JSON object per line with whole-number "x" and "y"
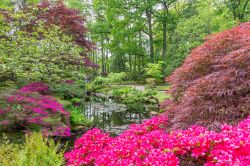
{"x": 149, "y": 144}
{"x": 29, "y": 109}
{"x": 39, "y": 87}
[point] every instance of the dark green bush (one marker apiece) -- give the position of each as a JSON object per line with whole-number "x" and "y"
{"x": 68, "y": 91}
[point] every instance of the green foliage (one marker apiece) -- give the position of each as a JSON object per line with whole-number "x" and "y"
{"x": 49, "y": 57}
{"x": 77, "y": 116}
{"x": 76, "y": 101}
{"x": 136, "y": 99}
{"x": 98, "y": 83}
{"x": 195, "y": 20}
{"x": 121, "y": 29}
{"x": 68, "y": 91}
{"x": 151, "y": 83}
{"x": 122, "y": 92}
{"x": 136, "y": 107}
{"x": 133, "y": 98}
{"x": 102, "y": 82}
{"x": 9, "y": 153}
{"x": 5, "y": 4}
{"x": 155, "y": 71}
{"x": 36, "y": 151}
{"x": 117, "y": 77}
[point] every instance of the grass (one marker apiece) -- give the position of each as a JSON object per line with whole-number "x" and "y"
{"x": 63, "y": 102}
{"x": 162, "y": 87}
{"x": 162, "y": 95}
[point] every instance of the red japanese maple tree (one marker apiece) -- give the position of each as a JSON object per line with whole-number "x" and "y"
{"x": 212, "y": 87}
{"x": 70, "y": 21}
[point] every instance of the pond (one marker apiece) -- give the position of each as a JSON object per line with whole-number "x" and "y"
{"x": 110, "y": 116}
{"x": 113, "y": 117}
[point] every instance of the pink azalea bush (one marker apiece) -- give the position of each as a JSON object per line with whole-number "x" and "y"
{"x": 39, "y": 87}
{"x": 150, "y": 144}
{"x": 29, "y": 110}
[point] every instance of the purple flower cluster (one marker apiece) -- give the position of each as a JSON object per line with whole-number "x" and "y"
{"x": 27, "y": 108}
{"x": 149, "y": 144}
{"x": 39, "y": 87}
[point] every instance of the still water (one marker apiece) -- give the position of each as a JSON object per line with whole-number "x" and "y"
{"x": 113, "y": 117}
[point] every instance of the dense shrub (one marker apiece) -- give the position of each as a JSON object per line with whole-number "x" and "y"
{"x": 32, "y": 111}
{"x": 117, "y": 77}
{"x": 134, "y": 98}
{"x": 150, "y": 83}
{"x": 149, "y": 144}
{"x": 9, "y": 153}
{"x": 113, "y": 78}
{"x": 68, "y": 90}
{"x": 36, "y": 151}
{"x": 212, "y": 86}
{"x": 155, "y": 71}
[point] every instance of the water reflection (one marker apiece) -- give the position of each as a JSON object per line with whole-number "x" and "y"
{"x": 112, "y": 117}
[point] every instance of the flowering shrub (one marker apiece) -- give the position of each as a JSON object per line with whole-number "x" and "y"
{"x": 149, "y": 144}
{"x": 33, "y": 110}
{"x": 39, "y": 87}
{"x": 212, "y": 86}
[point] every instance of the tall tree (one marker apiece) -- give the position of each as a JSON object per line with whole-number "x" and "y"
{"x": 239, "y": 8}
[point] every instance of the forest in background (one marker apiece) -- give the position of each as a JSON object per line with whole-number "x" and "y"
{"x": 130, "y": 34}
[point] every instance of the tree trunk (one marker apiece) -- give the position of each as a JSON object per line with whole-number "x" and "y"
{"x": 130, "y": 62}
{"x": 150, "y": 32}
{"x": 135, "y": 62}
{"x": 103, "y": 56}
{"x": 164, "y": 27}
{"x": 140, "y": 64}
{"x": 107, "y": 57}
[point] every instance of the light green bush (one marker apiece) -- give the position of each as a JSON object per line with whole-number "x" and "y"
{"x": 102, "y": 82}
{"x": 68, "y": 91}
{"x": 9, "y": 153}
{"x": 155, "y": 71}
{"x": 36, "y": 151}
{"x": 151, "y": 83}
{"x": 117, "y": 77}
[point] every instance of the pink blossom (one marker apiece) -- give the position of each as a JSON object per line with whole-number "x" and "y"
{"x": 149, "y": 144}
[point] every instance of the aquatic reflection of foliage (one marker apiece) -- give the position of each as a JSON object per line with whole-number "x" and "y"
{"x": 77, "y": 116}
